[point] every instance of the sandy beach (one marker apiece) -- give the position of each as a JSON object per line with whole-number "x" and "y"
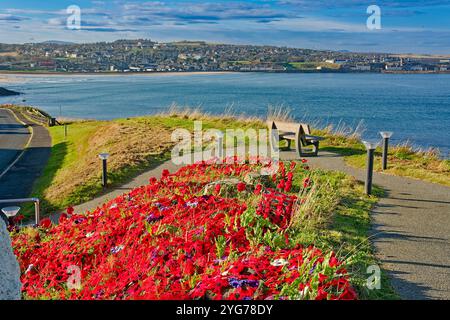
{"x": 11, "y": 77}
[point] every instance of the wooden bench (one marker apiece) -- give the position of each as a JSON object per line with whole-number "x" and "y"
{"x": 300, "y": 133}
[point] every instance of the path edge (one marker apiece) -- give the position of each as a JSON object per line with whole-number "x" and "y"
{"x": 30, "y": 129}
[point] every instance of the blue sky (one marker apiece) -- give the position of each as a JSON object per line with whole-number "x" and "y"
{"x": 409, "y": 26}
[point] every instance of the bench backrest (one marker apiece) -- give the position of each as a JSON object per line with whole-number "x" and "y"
{"x": 299, "y": 129}
{"x": 285, "y": 126}
{"x": 290, "y": 126}
{"x": 306, "y": 129}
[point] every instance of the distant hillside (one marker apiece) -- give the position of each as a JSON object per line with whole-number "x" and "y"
{"x": 57, "y": 42}
{"x": 145, "y": 55}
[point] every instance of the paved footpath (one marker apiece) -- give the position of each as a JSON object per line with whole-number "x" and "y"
{"x": 140, "y": 180}
{"x": 18, "y": 181}
{"x": 411, "y": 227}
{"x": 411, "y": 231}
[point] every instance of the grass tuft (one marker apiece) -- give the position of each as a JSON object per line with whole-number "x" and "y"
{"x": 403, "y": 159}
{"x": 336, "y": 216}
{"x": 279, "y": 113}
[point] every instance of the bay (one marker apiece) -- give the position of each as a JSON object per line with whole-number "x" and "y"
{"x": 415, "y": 107}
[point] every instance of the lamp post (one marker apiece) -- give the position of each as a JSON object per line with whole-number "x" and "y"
{"x": 37, "y": 210}
{"x": 9, "y": 213}
{"x": 370, "y": 146}
{"x": 219, "y": 151}
{"x": 386, "y": 136}
{"x": 104, "y": 157}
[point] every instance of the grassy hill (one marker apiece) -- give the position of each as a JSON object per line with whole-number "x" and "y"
{"x": 73, "y": 173}
{"x": 334, "y": 215}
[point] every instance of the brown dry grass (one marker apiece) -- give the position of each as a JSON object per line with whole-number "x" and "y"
{"x": 279, "y": 113}
{"x": 130, "y": 146}
{"x": 197, "y": 114}
{"x": 404, "y": 159}
{"x": 73, "y": 173}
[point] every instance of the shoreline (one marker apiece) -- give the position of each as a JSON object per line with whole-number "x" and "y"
{"x": 417, "y": 148}
{"x": 18, "y": 73}
{"x": 12, "y": 77}
{"x": 5, "y": 73}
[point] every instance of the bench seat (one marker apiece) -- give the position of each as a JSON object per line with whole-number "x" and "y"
{"x": 299, "y": 133}
{"x": 314, "y": 138}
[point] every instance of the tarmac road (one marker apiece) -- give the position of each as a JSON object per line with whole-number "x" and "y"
{"x": 13, "y": 138}
{"x": 19, "y": 179}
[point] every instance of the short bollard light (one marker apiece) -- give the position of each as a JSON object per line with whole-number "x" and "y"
{"x": 386, "y": 136}
{"x": 11, "y": 210}
{"x": 104, "y": 157}
{"x": 370, "y": 146}
{"x": 219, "y": 146}
{"x": 9, "y": 213}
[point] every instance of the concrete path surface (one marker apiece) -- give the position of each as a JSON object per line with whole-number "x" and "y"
{"x": 411, "y": 231}
{"x": 140, "y": 180}
{"x": 411, "y": 226}
{"x": 18, "y": 181}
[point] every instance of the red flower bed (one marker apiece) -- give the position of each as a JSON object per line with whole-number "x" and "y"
{"x": 170, "y": 240}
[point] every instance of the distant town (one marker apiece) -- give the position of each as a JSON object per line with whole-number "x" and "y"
{"x": 133, "y": 56}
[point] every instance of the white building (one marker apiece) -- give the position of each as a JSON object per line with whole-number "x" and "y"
{"x": 361, "y": 68}
{"x": 393, "y": 67}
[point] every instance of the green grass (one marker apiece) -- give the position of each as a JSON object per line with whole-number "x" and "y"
{"x": 313, "y": 65}
{"x": 403, "y": 160}
{"x": 242, "y": 62}
{"x": 343, "y": 224}
{"x": 173, "y": 122}
{"x": 64, "y": 154}
{"x": 74, "y": 157}
{"x": 335, "y": 217}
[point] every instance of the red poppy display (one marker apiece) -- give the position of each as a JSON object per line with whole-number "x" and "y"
{"x": 171, "y": 240}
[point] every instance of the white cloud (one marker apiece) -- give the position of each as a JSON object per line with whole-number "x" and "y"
{"x": 10, "y": 17}
{"x": 56, "y": 22}
{"x": 231, "y": 22}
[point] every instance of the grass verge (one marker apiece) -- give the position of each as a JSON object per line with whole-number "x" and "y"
{"x": 403, "y": 160}
{"x": 335, "y": 215}
{"x": 73, "y": 173}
